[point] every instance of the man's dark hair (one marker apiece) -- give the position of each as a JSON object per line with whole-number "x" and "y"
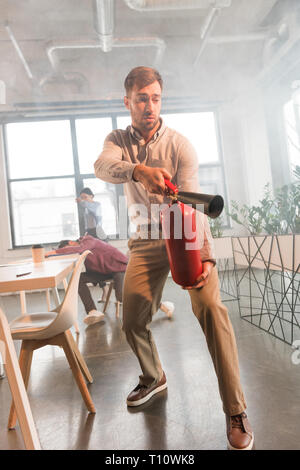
{"x": 141, "y": 77}
{"x": 63, "y": 243}
{"x": 87, "y": 191}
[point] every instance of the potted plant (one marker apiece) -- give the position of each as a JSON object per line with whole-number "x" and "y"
{"x": 274, "y": 227}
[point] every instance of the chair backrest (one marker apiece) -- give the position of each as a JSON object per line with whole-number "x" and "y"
{"x": 68, "y": 309}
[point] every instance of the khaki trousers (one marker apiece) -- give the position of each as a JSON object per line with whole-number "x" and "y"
{"x": 144, "y": 281}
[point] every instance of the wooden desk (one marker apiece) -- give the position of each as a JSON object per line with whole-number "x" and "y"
{"x": 48, "y": 274}
{"x": 40, "y": 274}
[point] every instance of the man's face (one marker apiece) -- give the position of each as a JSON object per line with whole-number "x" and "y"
{"x": 73, "y": 243}
{"x": 144, "y": 106}
{"x": 86, "y": 197}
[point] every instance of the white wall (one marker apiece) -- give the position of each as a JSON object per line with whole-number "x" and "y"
{"x": 256, "y": 156}
{"x": 246, "y": 150}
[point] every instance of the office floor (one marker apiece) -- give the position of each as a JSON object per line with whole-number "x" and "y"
{"x": 188, "y": 415}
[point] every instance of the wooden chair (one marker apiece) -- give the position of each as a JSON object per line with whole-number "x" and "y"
{"x": 41, "y": 329}
{"x": 2, "y": 373}
{"x": 110, "y": 283}
{"x": 17, "y": 388}
{"x": 48, "y": 300}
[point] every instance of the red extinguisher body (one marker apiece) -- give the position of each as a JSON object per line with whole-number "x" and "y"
{"x": 179, "y": 230}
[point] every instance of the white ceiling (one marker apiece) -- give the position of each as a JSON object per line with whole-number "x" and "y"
{"x": 233, "y": 53}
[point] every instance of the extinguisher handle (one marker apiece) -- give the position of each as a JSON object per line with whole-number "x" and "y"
{"x": 170, "y": 187}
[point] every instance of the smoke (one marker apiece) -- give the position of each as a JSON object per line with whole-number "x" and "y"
{"x": 232, "y": 47}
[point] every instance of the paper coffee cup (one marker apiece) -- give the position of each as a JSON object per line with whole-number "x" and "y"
{"x": 38, "y": 253}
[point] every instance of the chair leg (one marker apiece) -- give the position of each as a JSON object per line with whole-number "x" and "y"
{"x": 117, "y": 309}
{"x": 108, "y": 296}
{"x": 48, "y": 300}
{"x": 82, "y": 364}
{"x": 25, "y": 360}
{"x": 65, "y": 284}
{"x": 16, "y": 385}
{"x": 23, "y": 302}
{"x": 56, "y": 296}
{"x": 67, "y": 347}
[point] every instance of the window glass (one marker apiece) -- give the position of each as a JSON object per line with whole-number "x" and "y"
{"x": 38, "y": 149}
{"x": 44, "y": 211}
{"x": 211, "y": 180}
{"x": 200, "y": 129}
{"x": 123, "y": 122}
{"x": 292, "y": 129}
{"x": 90, "y": 135}
{"x": 105, "y": 193}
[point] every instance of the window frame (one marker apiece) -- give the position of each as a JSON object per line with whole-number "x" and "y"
{"x": 169, "y": 106}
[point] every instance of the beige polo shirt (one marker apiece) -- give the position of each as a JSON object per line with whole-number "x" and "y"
{"x": 124, "y": 149}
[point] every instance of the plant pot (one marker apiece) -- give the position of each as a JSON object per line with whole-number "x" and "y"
{"x": 276, "y": 252}
{"x": 268, "y": 270}
{"x": 224, "y": 257}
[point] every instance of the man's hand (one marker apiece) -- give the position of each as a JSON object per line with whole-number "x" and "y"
{"x": 151, "y": 178}
{"x": 203, "y": 279}
{"x": 49, "y": 253}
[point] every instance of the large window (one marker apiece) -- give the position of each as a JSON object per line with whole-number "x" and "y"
{"x": 43, "y": 210}
{"x": 39, "y": 149}
{"x": 41, "y": 182}
{"x": 90, "y": 135}
{"x": 50, "y": 161}
{"x": 292, "y": 128}
{"x": 201, "y": 130}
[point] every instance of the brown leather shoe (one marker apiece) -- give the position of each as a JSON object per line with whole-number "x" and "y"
{"x": 141, "y": 393}
{"x": 239, "y": 432}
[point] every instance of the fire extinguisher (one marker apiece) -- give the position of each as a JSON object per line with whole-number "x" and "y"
{"x": 179, "y": 230}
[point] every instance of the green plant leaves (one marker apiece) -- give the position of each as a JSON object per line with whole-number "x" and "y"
{"x": 277, "y": 213}
{"x": 216, "y": 227}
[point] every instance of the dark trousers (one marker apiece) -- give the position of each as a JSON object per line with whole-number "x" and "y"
{"x": 98, "y": 278}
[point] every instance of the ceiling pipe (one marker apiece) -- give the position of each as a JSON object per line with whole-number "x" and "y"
{"x": 70, "y": 79}
{"x": 19, "y": 51}
{"x": 252, "y": 37}
{"x": 155, "y": 42}
{"x": 206, "y": 29}
{"x": 160, "y": 5}
{"x": 54, "y": 46}
{"x": 104, "y": 25}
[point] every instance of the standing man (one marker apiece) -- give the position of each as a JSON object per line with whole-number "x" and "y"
{"x": 141, "y": 157}
{"x": 92, "y": 214}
